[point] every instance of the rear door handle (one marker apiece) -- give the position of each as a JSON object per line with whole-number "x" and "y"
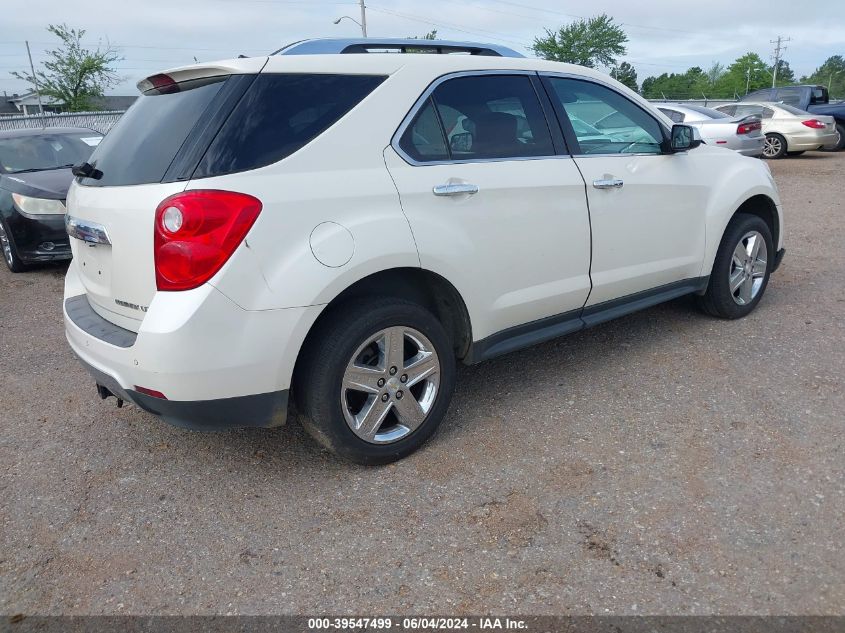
{"x": 609, "y": 183}
{"x": 455, "y": 189}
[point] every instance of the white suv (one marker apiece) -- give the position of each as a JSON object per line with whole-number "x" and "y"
{"x": 339, "y": 229}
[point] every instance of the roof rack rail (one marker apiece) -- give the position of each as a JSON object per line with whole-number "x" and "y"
{"x": 332, "y": 46}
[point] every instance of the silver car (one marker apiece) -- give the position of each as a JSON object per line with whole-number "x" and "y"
{"x": 742, "y": 134}
{"x": 789, "y": 131}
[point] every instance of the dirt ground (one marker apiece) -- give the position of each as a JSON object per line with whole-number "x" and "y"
{"x": 664, "y": 463}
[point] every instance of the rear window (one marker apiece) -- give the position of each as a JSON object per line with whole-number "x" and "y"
{"x": 143, "y": 143}
{"x": 792, "y": 110}
{"x": 220, "y": 125}
{"x": 708, "y": 112}
{"x": 279, "y": 114}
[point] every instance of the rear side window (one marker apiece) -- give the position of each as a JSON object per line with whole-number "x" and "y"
{"x": 219, "y": 125}
{"x": 279, "y": 114}
{"x": 479, "y": 118}
{"x": 143, "y": 143}
{"x": 790, "y": 96}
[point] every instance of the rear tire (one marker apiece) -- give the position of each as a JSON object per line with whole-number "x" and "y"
{"x": 741, "y": 269}
{"x": 375, "y": 380}
{"x": 774, "y": 147}
{"x": 9, "y": 251}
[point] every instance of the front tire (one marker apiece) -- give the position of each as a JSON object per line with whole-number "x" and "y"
{"x": 741, "y": 269}
{"x": 376, "y": 380}
{"x": 774, "y": 146}
{"x": 9, "y": 252}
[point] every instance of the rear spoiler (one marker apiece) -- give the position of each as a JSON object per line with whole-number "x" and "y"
{"x": 160, "y": 82}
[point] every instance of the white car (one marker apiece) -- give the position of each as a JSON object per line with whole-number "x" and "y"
{"x": 298, "y": 228}
{"x": 789, "y": 131}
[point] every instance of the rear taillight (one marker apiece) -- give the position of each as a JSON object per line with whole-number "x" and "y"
{"x": 813, "y": 123}
{"x": 196, "y": 232}
{"x": 746, "y": 128}
{"x": 161, "y": 84}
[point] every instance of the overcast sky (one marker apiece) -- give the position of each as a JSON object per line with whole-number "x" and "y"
{"x": 665, "y": 35}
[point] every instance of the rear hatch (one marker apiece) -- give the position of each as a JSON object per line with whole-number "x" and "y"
{"x": 149, "y": 155}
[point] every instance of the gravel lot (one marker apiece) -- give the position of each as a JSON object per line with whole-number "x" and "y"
{"x": 664, "y": 463}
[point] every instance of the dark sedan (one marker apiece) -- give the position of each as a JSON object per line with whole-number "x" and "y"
{"x": 34, "y": 178}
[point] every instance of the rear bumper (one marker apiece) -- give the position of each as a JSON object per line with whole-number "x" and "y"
{"x": 258, "y": 410}
{"x": 217, "y": 365}
{"x": 748, "y": 146}
{"x": 810, "y": 142}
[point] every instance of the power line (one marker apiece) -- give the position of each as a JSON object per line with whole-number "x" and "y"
{"x": 777, "y": 55}
{"x": 446, "y": 25}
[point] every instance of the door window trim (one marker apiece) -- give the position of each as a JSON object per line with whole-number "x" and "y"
{"x": 566, "y": 125}
{"x": 558, "y": 139}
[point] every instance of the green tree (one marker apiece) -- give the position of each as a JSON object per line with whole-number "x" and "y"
{"x": 431, "y": 35}
{"x": 831, "y": 74}
{"x": 74, "y": 75}
{"x": 746, "y": 74}
{"x": 626, "y": 74}
{"x": 592, "y": 42}
{"x": 715, "y": 73}
{"x": 785, "y": 74}
{"x": 692, "y": 84}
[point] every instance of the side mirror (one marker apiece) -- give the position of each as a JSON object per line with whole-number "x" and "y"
{"x": 684, "y": 137}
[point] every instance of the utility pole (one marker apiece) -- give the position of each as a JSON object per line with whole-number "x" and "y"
{"x": 35, "y": 82}
{"x": 363, "y": 18}
{"x": 777, "y": 56}
{"x": 747, "y": 80}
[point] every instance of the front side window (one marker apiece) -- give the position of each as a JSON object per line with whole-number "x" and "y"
{"x": 479, "y": 118}
{"x": 618, "y": 125}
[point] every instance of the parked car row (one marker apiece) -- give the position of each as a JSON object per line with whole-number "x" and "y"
{"x": 808, "y": 98}
{"x": 789, "y": 131}
{"x": 771, "y": 130}
{"x": 740, "y": 133}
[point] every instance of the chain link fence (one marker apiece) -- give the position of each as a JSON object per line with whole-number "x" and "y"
{"x": 100, "y": 121}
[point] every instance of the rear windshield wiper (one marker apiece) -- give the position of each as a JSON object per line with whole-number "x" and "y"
{"x": 86, "y": 170}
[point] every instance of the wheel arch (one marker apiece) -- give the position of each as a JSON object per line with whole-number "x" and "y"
{"x": 418, "y": 285}
{"x": 759, "y": 203}
{"x": 765, "y": 208}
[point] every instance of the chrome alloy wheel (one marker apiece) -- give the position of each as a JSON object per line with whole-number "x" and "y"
{"x": 748, "y": 268}
{"x": 6, "y": 246}
{"x": 772, "y": 146}
{"x": 390, "y": 385}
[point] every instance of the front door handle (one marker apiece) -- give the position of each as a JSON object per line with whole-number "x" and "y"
{"x": 455, "y": 189}
{"x": 608, "y": 183}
